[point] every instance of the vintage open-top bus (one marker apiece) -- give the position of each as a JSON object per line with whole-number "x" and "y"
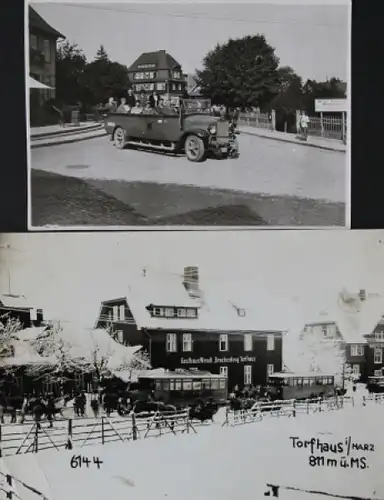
{"x": 286, "y": 385}
{"x": 181, "y": 388}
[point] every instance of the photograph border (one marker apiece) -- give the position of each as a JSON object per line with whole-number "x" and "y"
{"x": 348, "y": 154}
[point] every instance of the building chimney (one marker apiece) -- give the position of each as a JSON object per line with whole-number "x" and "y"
{"x": 362, "y": 295}
{"x": 191, "y": 281}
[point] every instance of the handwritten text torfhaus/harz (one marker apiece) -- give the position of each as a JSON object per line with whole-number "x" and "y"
{"x": 339, "y": 454}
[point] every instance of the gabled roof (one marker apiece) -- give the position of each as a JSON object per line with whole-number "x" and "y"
{"x": 161, "y": 59}
{"x": 217, "y": 307}
{"x": 9, "y": 301}
{"x": 38, "y": 23}
{"x": 354, "y": 318}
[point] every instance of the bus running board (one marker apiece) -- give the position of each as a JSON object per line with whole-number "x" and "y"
{"x": 154, "y": 146}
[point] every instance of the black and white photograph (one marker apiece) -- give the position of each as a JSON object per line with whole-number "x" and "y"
{"x": 192, "y": 365}
{"x": 188, "y": 115}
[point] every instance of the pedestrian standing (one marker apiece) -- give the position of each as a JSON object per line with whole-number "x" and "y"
{"x": 304, "y": 121}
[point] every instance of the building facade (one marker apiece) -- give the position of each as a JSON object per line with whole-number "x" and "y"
{"x": 359, "y": 330}
{"x": 42, "y": 54}
{"x": 244, "y": 355}
{"x": 157, "y": 72}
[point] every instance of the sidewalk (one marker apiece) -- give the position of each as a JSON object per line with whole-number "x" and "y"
{"x": 314, "y": 142}
{"x": 53, "y": 130}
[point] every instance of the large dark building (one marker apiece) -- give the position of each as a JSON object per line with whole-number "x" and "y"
{"x": 183, "y": 324}
{"x": 157, "y": 72}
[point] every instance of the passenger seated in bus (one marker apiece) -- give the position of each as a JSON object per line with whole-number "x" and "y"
{"x": 149, "y": 109}
{"x": 137, "y": 108}
{"x": 123, "y": 107}
{"x": 164, "y": 109}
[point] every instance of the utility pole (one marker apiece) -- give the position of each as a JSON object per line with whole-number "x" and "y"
{"x": 7, "y": 248}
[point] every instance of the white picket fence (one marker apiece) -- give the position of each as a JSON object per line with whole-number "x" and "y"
{"x": 327, "y": 127}
{"x": 258, "y": 120}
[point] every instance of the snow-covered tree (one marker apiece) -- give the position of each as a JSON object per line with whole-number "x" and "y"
{"x": 9, "y": 334}
{"x": 310, "y": 352}
{"x": 51, "y": 344}
{"x": 86, "y": 352}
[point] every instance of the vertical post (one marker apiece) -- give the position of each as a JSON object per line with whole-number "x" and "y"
{"x": 322, "y": 124}
{"x": 343, "y": 127}
{"x": 273, "y": 119}
{"x": 70, "y": 433}
{"x": 320, "y": 404}
{"x": 9, "y": 483}
{"x": 294, "y": 408}
{"x": 102, "y": 430}
{"x": 134, "y": 428}
{"x": 36, "y": 440}
{"x": 307, "y": 405}
{"x": 1, "y": 440}
{"x": 188, "y": 421}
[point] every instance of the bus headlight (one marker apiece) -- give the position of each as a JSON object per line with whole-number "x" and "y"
{"x": 212, "y": 129}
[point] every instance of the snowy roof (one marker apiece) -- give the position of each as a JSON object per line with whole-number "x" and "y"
{"x": 217, "y": 307}
{"x": 25, "y": 355}
{"x": 84, "y": 342}
{"x": 300, "y": 374}
{"x": 32, "y": 333}
{"x": 15, "y": 301}
{"x": 353, "y": 317}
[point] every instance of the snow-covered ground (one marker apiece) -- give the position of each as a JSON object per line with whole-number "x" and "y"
{"x": 219, "y": 463}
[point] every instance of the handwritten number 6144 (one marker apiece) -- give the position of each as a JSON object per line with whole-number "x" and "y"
{"x": 77, "y": 461}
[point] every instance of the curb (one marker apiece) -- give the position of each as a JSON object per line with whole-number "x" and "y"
{"x": 70, "y": 141}
{"x": 291, "y": 141}
{"x": 65, "y": 132}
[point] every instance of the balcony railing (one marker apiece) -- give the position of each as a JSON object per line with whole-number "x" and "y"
{"x": 36, "y": 58}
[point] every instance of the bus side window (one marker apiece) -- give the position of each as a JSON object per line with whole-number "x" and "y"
{"x": 187, "y": 385}
{"x": 214, "y": 383}
{"x": 165, "y": 385}
{"x": 178, "y": 385}
{"x": 312, "y": 381}
{"x": 305, "y": 382}
{"x": 171, "y": 385}
{"x": 196, "y": 385}
{"x": 299, "y": 382}
{"x": 222, "y": 383}
{"x": 206, "y": 384}
{"x": 158, "y": 385}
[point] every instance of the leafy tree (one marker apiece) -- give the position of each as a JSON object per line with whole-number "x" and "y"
{"x": 289, "y": 99}
{"x": 333, "y": 88}
{"x": 70, "y": 66}
{"x": 103, "y": 78}
{"x": 242, "y": 72}
{"x": 101, "y": 54}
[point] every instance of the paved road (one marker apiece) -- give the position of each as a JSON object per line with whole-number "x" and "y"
{"x": 282, "y": 183}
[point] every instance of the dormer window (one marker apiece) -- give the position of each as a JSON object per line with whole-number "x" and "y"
{"x": 177, "y": 75}
{"x": 169, "y": 312}
{"x": 181, "y": 312}
{"x": 158, "y": 311}
{"x": 172, "y": 311}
